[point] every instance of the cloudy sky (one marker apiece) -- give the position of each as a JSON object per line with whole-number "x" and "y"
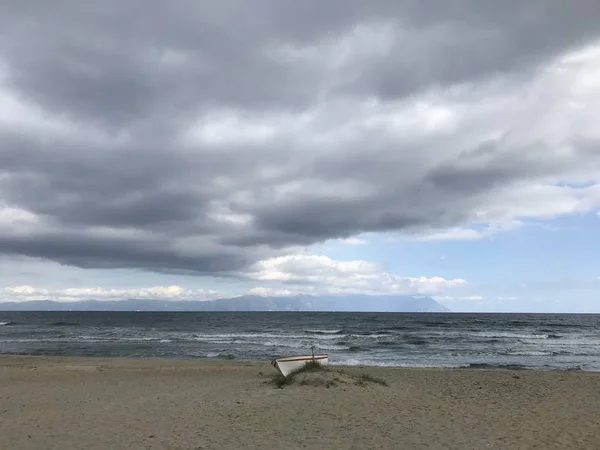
{"x": 192, "y": 150}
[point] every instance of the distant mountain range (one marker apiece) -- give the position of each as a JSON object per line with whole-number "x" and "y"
{"x": 354, "y": 303}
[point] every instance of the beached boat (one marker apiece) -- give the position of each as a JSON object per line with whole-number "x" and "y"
{"x": 291, "y": 363}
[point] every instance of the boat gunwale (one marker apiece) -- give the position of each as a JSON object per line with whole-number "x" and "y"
{"x": 301, "y": 358}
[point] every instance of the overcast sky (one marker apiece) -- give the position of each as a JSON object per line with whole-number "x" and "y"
{"x": 203, "y": 149}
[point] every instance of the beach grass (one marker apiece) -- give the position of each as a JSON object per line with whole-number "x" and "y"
{"x": 315, "y": 374}
{"x": 365, "y": 379}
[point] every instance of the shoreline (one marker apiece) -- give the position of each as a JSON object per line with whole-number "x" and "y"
{"x": 66, "y": 402}
{"x": 472, "y": 366}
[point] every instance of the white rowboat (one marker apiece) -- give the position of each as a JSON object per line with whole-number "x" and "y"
{"x": 289, "y": 364}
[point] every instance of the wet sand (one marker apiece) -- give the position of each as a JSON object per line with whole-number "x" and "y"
{"x": 93, "y": 403}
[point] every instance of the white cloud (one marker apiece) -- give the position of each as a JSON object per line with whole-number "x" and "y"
{"x": 12, "y": 217}
{"x": 515, "y": 205}
{"x": 470, "y": 234}
{"x": 532, "y": 200}
{"x": 271, "y": 292}
{"x": 308, "y": 267}
{"x": 318, "y": 274}
{"x": 29, "y": 293}
{"x": 547, "y": 119}
{"x": 352, "y": 241}
{"x": 442, "y": 298}
{"x": 454, "y": 234}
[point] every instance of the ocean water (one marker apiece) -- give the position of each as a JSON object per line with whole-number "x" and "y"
{"x": 525, "y": 341}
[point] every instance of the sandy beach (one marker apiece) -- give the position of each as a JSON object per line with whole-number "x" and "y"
{"x": 93, "y": 403}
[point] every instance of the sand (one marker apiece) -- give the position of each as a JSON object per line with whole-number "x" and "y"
{"x": 91, "y": 403}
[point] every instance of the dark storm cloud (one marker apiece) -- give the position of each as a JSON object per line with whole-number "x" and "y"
{"x": 100, "y": 61}
{"x": 90, "y": 185}
{"x": 133, "y": 113}
{"x": 89, "y": 251}
{"x": 466, "y": 40}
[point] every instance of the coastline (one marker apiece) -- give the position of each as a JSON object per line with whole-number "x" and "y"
{"x": 232, "y": 361}
{"x": 80, "y": 402}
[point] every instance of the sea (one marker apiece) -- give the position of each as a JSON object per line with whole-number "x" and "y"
{"x": 487, "y": 341}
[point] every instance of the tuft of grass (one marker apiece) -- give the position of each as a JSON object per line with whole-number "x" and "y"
{"x": 280, "y": 381}
{"x": 311, "y": 366}
{"x": 365, "y": 379}
{"x": 334, "y": 377}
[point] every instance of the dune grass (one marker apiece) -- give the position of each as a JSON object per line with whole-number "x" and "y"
{"x": 331, "y": 377}
{"x": 365, "y": 378}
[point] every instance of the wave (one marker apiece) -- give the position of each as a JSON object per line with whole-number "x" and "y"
{"x": 360, "y": 362}
{"x": 298, "y": 345}
{"x": 561, "y": 325}
{"x": 397, "y": 328}
{"x": 353, "y": 361}
{"x": 7, "y": 323}
{"x": 220, "y": 355}
{"x": 509, "y": 335}
{"x": 250, "y": 336}
{"x": 387, "y": 343}
{"x": 495, "y": 366}
{"x": 324, "y": 331}
{"x": 490, "y": 341}
{"x": 437, "y": 323}
{"x": 529, "y": 353}
{"x": 360, "y": 333}
{"x": 65, "y": 324}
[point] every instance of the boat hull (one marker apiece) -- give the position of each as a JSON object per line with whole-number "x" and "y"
{"x": 290, "y": 364}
